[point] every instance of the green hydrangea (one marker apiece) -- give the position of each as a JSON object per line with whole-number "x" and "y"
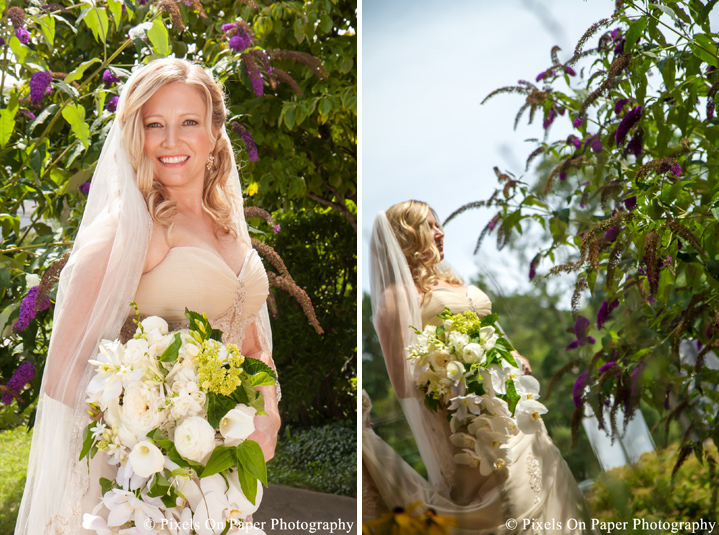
{"x": 467, "y": 323}
{"x": 219, "y": 370}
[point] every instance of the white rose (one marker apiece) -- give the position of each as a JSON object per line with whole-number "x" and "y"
{"x": 141, "y": 408}
{"x": 439, "y": 359}
{"x": 135, "y": 352}
{"x": 195, "y": 439}
{"x": 238, "y": 424}
{"x": 146, "y": 459}
{"x": 188, "y": 402}
{"x": 155, "y": 322}
{"x": 473, "y": 353}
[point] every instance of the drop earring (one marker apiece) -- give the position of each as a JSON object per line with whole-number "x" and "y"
{"x": 210, "y": 162}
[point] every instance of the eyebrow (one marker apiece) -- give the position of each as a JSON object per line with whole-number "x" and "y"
{"x": 183, "y": 115}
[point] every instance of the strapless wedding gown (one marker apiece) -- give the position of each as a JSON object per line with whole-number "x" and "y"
{"x": 537, "y": 491}
{"x": 190, "y": 277}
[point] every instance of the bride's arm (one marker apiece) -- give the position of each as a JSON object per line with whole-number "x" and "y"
{"x": 266, "y": 426}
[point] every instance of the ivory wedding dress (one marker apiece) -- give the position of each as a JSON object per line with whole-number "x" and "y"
{"x": 537, "y": 493}
{"x": 190, "y": 277}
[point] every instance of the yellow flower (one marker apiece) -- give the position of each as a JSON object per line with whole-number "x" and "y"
{"x": 253, "y": 189}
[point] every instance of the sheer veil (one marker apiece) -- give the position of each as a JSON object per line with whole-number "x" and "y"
{"x": 94, "y": 292}
{"x": 396, "y": 309}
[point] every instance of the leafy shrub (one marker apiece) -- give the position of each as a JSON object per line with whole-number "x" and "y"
{"x": 646, "y": 490}
{"x": 322, "y": 459}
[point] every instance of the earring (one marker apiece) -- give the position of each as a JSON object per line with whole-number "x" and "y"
{"x": 210, "y": 162}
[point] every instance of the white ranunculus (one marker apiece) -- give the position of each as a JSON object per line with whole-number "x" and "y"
{"x": 473, "y": 353}
{"x": 457, "y": 340}
{"x": 140, "y": 409}
{"x": 195, "y": 439}
{"x": 189, "y": 401}
{"x": 136, "y": 351}
{"x": 146, "y": 459}
{"x": 238, "y": 424}
{"x": 155, "y": 322}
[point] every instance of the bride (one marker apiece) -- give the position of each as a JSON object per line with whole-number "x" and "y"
{"x": 164, "y": 226}
{"x": 410, "y": 287}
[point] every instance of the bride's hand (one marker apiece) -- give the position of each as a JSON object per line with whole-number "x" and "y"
{"x": 266, "y": 429}
{"x": 526, "y": 368}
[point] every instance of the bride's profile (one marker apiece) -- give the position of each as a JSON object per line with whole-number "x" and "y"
{"x": 410, "y": 287}
{"x": 164, "y": 227}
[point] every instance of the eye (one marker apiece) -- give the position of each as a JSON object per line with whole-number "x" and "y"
{"x": 153, "y": 125}
{"x": 191, "y": 122}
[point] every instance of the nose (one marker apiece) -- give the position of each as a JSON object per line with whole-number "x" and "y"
{"x": 172, "y": 134}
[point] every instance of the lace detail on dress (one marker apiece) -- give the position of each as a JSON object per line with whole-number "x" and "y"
{"x": 78, "y": 482}
{"x": 535, "y": 476}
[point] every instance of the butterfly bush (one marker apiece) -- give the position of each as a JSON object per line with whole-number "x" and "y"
{"x": 465, "y": 366}
{"x": 629, "y": 203}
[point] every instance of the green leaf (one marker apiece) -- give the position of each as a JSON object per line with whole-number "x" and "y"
{"x": 116, "y": 10}
{"x": 18, "y": 49}
{"x": 160, "y": 486}
{"x": 77, "y": 73}
{"x": 86, "y": 442}
{"x": 254, "y": 366}
{"x": 489, "y": 319}
{"x": 7, "y": 126}
{"x": 290, "y": 116}
{"x": 512, "y": 396}
{"x": 170, "y": 354}
{"x": 74, "y": 114}
{"x": 217, "y": 407}
{"x": 705, "y": 50}
{"x": 47, "y": 26}
{"x": 161, "y": 440}
{"x": 248, "y": 484}
{"x": 712, "y": 268}
{"x": 222, "y": 458}
{"x": 250, "y": 456}
{"x": 261, "y": 379}
{"x": 106, "y": 485}
{"x": 96, "y": 20}
{"x": 42, "y": 116}
{"x": 200, "y": 324}
{"x": 159, "y": 38}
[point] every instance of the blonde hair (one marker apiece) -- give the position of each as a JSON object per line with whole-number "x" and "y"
{"x": 155, "y": 75}
{"x": 409, "y": 224}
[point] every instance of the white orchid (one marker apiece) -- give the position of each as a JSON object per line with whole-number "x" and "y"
{"x": 528, "y": 414}
{"x": 124, "y": 507}
{"x": 464, "y": 405}
{"x": 111, "y": 375}
{"x": 527, "y": 387}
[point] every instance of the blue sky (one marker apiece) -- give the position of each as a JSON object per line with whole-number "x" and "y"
{"x": 426, "y": 67}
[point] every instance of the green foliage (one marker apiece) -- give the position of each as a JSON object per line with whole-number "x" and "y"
{"x": 646, "y": 491}
{"x": 309, "y": 162}
{"x": 323, "y": 459}
{"x": 15, "y": 449}
{"x": 317, "y": 371}
{"x": 629, "y": 200}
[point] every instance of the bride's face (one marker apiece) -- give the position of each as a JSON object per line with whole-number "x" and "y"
{"x": 176, "y": 138}
{"x": 437, "y": 234}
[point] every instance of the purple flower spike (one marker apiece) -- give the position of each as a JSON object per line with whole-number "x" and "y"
{"x": 630, "y": 119}
{"x": 605, "y": 367}
{"x": 40, "y": 86}
{"x": 676, "y": 170}
{"x": 574, "y": 140}
{"x": 549, "y": 118}
{"x": 620, "y": 104}
{"x": 562, "y": 176}
{"x": 84, "y": 188}
{"x": 240, "y": 42}
{"x": 578, "y": 388}
{"x": 109, "y": 78}
{"x": 604, "y": 311}
{"x": 229, "y": 26}
{"x": 23, "y": 35}
{"x": 580, "y": 330}
{"x": 111, "y": 105}
{"x": 2, "y": 41}
{"x": 22, "y": 376}
{"x": 630, "y": 203}
{"x": 611, "y": 234}
{"x": 570, "y": 71}
{"x": 619, "y": 49}
{"x": 635, "y": 144}
{"x": 578, "y": 122}
{"x": 533, "y": 267}
{"x": 29, "y": 308}
{"x": 245, "y": 135}
{"x": 277, "y": 228}
{"x": 30, "y": 115}
{"x": 596, "y": 144}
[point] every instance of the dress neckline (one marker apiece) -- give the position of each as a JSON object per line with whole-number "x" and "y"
{"x": 221, "y": 261}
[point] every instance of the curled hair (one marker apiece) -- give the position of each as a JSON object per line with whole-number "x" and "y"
{"x": 409, "y": 224}
{"x": 216, "y": 196}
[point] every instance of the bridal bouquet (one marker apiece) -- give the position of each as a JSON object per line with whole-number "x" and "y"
{"x": 465, "y": 366}
{"x": 172, "y": 411}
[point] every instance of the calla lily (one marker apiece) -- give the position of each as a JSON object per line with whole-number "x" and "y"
{"x": 146, "y": 459}
{"x": 238, "y": 424}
